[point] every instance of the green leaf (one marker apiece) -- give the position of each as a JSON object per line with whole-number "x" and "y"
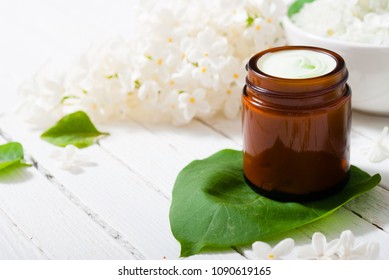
{"x": 11, "y": 154}
{"x": 213, "y": 206}
{"x": 74, "y": 129}
{"x": 249, "y": 20}
{"x": 296, "y": 6}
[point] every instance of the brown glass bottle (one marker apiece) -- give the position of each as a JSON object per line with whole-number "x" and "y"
{"x": 296, "y": 131}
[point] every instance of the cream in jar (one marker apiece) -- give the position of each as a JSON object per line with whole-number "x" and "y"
{"x": 296, "y": 64}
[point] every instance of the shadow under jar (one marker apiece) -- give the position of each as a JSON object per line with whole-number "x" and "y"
{"x": 296, "y": 119}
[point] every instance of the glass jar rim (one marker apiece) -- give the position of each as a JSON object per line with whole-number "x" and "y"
{"x": 253, "y": 62}
{"x": 314, "y": 92}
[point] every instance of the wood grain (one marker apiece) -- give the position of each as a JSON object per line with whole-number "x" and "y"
{"x": 116, "y": 204}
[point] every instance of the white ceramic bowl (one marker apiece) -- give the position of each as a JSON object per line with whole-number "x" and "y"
{"x": 368, "y": 67}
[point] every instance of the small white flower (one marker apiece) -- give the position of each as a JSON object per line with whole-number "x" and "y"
{"x": 183, "y": 77}
{"x": 373, "y": 250}
{"x": 41, "y": 99}
{"x": 232, "y": 103}
{"x": 206, "y": 73}
{"x": 379, "y": 151}
{"x": 166, "y": 26}
{"x": 351, "y": 250}
{"x": 171, "y": 109}
{"x": 343, "y": 248}
{"x": 208, "y": 44}
{"x": 157, "y": 63}
{"x": 38, "y": 114}
{"x": 69, "y": 158}
{"x": 233, "y": 71}
{"x": 264, "y": 251}
{"x": 193, "y": 104}
{"x": 149, "y": 91}
{"x": 320, "y": 249}
{"x": 263, "y": 28}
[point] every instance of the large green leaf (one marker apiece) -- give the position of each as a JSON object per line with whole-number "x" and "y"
{"x": 11, "y": 154}
{"x": 213, "y": 206}
{"x": 74, "y": 129}
{"x": 296, "y": 6}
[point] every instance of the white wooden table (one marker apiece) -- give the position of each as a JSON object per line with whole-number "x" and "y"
{"x": 117, "y": 206}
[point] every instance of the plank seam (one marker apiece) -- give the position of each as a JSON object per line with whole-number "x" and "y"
{"x": 140, "y": 176}
{"x": 218, "y": 131}
{"x": 115, "y": 234}
{"x": 24, "y": 235}
{"x": 365, "y": 219}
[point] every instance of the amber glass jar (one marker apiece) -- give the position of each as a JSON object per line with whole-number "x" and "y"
{"x": 296, "y": 132}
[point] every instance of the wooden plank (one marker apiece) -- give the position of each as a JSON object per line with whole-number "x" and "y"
{"x": 118, "y": 199}
{"x": 158, "y": 152}
{"x": 15, "y": 244}
{"x": 373, "y": 207}
{"x": 54, "y": 225}
{"x": 195, "y": 140}
{"x": 148, "y": 156}
{"x": 232, "y": 129}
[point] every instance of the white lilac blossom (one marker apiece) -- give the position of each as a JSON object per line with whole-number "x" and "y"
{"x": 185, "y": 61}
{"x": 41, "y": 99}
{"x": 264, "y": 251}
{"x": 320, "y": 249}
{"x": 352, "y": 251}
{"x": 344, "y": 248}
{"x": 69, "y": 158}
{"x": 193, "y": 104}
{"x": 379, "y": 151}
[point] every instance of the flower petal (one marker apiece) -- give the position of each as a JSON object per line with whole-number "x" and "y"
{"x": 284, "y": 247}
{"x": 373, "y": 250}
{"x": 261, "y": 249}
{"x": 306, "y": 253}
{"x": 332, "y": 247}
{"x": 360, "y": 250}
{"x": 70, "y": 151}
{"x": 319, "y": 242}
{"x": 347, "y": 240}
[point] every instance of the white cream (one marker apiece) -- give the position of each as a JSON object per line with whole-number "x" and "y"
{"x": 296, "y": 64}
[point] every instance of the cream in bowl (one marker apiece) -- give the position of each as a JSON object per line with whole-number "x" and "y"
{"x": 368, "y": 63}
